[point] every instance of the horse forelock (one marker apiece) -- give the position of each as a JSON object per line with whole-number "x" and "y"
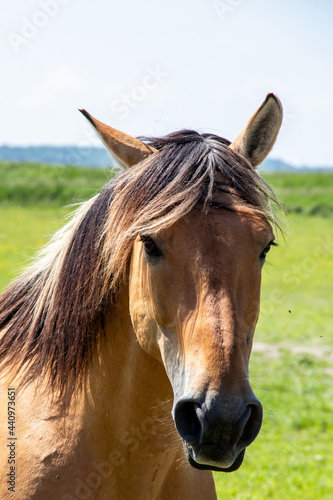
{"x": 52, "y": 318}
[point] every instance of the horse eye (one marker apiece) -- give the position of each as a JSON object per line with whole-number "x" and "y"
{"x": 266, "y": 250}
{"x": 150, "y": 247}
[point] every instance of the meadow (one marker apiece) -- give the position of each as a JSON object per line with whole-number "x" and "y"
{"x": 292, "y": 361}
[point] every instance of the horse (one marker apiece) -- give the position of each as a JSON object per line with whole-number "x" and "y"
{"x": 125, "y": 344}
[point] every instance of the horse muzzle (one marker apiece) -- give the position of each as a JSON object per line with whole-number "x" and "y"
{"x": 215, "y": 434}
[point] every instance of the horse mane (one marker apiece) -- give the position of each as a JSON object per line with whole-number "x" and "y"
{"x": 52, "y": 317}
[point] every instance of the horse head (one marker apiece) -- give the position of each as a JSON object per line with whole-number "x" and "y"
{"x": 194, "y": 291}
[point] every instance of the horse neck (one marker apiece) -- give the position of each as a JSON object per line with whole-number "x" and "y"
{"x": 128, "y": 393}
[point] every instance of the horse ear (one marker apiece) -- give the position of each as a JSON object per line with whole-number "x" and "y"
{"x": 258, "y": 137}
{"x": 127, "y": 150}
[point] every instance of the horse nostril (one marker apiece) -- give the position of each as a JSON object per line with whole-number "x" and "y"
{"x": 187, "y": 422}
{"x": 252, "y": 424}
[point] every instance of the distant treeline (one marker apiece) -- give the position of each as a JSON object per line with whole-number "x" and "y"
{"x": 38, "y": 184}
{"x": 98, "y": 157}
{"x": 77, "y": 156}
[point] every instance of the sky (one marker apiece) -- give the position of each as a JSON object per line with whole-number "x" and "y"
{"x": 152, "y": 67}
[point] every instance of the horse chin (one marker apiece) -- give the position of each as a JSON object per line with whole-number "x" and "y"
{"x": 233, "y": 467}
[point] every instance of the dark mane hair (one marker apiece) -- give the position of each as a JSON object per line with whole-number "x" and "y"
{"x": 51, "y": 318}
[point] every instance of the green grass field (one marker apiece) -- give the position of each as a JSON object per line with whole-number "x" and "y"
{"x": 292, "y": 362}
{"x": 310, "y": 194}
{"x": 31, "y": 184}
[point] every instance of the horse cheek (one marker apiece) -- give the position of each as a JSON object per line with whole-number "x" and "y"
{"x": 145, "y": 327}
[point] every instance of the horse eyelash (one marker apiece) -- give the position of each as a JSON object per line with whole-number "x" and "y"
{"x": 267, "y": 248}
{"x": 145, "y": 239}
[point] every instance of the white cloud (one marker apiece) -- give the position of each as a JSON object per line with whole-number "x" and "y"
{"x": 312, "y": 102}
{"x": 62, "y": 79}
{"x": 34, "y": 101}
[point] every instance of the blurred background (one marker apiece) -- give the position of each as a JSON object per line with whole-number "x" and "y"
{"x": 153, "y": 67}
{"x": 149, "y": 68}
